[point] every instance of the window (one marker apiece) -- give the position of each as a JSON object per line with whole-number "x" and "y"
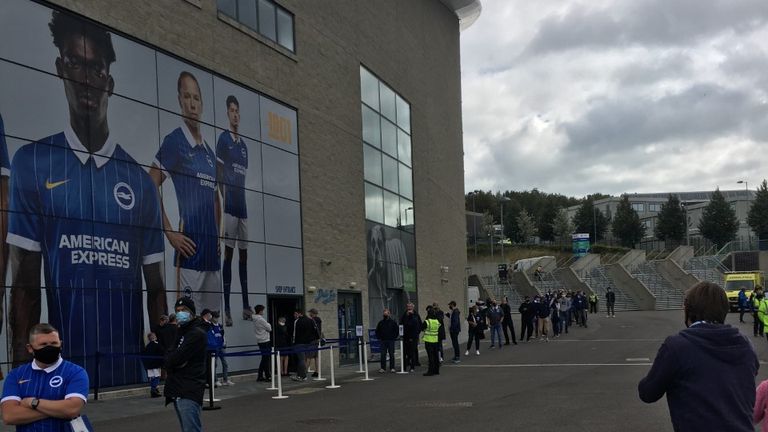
{"x": 263, "y": 16}
{"x": 388, "y": 171}
{"x": 654, "y": 207}
{"x": 638, "y": 207}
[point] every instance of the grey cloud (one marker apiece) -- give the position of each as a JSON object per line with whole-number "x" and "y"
{"x": 646, "y": 22}
{"x": 655, "y": 69}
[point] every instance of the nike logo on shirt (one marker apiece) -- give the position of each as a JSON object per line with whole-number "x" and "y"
{"x": 50, "y": 185}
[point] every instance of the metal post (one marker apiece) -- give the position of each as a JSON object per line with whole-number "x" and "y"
{"x": 279, "y": 382}
{"x": 97, "y": 380}
{"x": 319, "y": 363}
{"x": 273, "y": 360}
{"x": 333, "y": 375}
{"x": 365, "y": 359}
{"x": 502, "y": 229}
{"x": 211, "y": 392}
{"x": 594, "y": 220}
{"x": 474, "y": 224}
{"x": 402, "y": 358}
{"x": 360, "y": 355}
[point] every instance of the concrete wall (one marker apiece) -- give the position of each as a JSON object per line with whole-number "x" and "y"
{"x": 585, "y": 264}
{"x": 681, "y": 255}
{"x": 524, "y": 284}
{"x": 413, "y": 46}
{"x": 572, "y": 281}
{"x": 632, "y": 258}
{"x": 635, "y": 289}
{"x": 675, "y": 275}
{"x": 763, "y": 258}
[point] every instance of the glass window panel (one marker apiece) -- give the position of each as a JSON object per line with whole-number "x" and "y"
{"x": 374, "y": 203}
{"x": 391, "y": 209}
{"x": 387, "y": 102}
{"x": 229, "y": 7}
{"x": 369, "y": 88}
{"x": 267, "y": 19}
{"x": 246, "y": 13}
{"x": 406, "y": 182}
{"x": 404, "y": 147}
{"x": 389, "y": 137}
{"x": 390, "y": 173}
{"x": 371, "y": 128}
{"x": 285, "y": 29}
{"x": 406, "y": 212}
{"x": 403, "y": 114}
{"x": 372, "y": 164}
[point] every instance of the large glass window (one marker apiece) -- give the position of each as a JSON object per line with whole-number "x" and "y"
{"x": 264, "y": 16}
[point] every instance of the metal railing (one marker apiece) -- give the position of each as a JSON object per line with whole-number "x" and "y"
{"x": 667, "y": 296}
{"x": 598, "y": 281}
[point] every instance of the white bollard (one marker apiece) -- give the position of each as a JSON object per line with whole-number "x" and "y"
{"x": 213, "y": 379}
{"x": 273, "y": 367}
{"x": 319, "y": 363}
{"x": 333, "y": 376}
{"x": 402, "y": 359}
{"x": 279, "y": 382}
{"x": 360, "y": 355}
{"x": 365, "y": 359}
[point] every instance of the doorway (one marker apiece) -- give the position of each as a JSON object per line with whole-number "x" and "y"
{"x": 349, "y": 315}
{"x": 282, "y": 307}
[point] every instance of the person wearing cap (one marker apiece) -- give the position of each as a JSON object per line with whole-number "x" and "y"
{"x": 185, "y": 363}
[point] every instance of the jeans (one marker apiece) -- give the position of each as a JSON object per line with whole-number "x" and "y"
{"x": 387, "y": 347}
{"x": 224, "y": 365}
{"x": 455, "y": 343}
{"x": 301, "y": 363}
{"x": 188, "y": 412}
{"x": 564, "y": 324}
{"x": 264, "y": 371}
{"x": 496, "y": 330}
{"x": 611, "y": 311}
{"x": 153, "y": 383}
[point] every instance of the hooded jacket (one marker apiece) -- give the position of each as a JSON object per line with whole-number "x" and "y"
{"x": 708, "y": 373}
{"x": 186, "y": 363}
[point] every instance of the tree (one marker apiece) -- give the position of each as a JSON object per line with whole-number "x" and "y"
{"x": 626, "y": 224}
{"x": 757, "y": 218}
{"x": 546, "y": 221}
{"x": 526, "y": 226}
{"x": 589, "y": 219}
{"x": 671, "y": 223}
{"x": 562, "y": 226}
{"x": 718, "y": 223}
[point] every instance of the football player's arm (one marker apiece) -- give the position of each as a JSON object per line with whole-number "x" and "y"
{"x": 64, "y": 409}
{"x": 16, "y": 414}
{"x": 156, "y": 302}
{"x": 25, "y": 301}
{"x": 179, "y": 241}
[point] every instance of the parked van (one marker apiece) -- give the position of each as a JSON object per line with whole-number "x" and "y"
{"x": 735, "y": 281}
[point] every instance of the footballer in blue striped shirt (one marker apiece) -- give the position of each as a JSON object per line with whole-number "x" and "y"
{"x": 186, "y": 158}
{"x": 232, "y": 161}
{"x": 85, "y": 209}
{"x": 47, "y": 393}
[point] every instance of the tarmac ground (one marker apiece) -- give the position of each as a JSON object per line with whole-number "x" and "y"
{"x": 585, "y": 381}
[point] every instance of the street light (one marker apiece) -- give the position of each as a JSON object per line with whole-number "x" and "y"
{"x": 474, "y": 223}
{"x": 503, "y": 200}
{"x": 746, "y": 186}
{"x": 594, "y": 220}
{"x": 685, "y": 215}
{"x": 406, "y": 214}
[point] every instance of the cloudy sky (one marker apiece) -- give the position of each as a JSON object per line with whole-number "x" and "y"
{"x": 615, "y": 96}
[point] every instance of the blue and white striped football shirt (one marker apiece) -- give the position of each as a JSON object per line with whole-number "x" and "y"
{"x": 233, "y": 155}
{"x": 96, "y": 221}
{"x": 192, "y": 167}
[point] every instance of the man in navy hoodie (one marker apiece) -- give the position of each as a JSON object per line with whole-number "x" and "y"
{"x": 707, "y": 370}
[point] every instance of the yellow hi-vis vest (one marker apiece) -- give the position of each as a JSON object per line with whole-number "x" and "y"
{"x": 430, "y": 334}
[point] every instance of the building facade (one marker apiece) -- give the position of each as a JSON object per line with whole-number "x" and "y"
{"x": 237, "y": 152}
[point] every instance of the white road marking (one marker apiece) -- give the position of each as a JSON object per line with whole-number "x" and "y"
{"x": 639, "y": 359}
{"x": 608, "y": 340}
{"x": 539, "y": 365}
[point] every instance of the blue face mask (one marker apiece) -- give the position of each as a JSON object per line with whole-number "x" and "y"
{"x": 183, "y": 317}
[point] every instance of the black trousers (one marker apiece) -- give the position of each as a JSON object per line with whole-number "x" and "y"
{"x": 264, "y": 371}
{"x": 757, "y": 325}
{"x": 433, "y": 353}
{"x": 527, "y": 329}
{"x": 508, "y": 324}
{"x": 411, "y": 353}
{"x": 473, "y": 335}
{"x": 456, "y": 348}
{"x": 387, "y": 347}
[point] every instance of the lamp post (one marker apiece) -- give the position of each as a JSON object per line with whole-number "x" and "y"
{"x": 406, "y": 214}
{"x": 685, "y": 216}
{"x": 594, "y": 220}
{"x": 503, "y": 200}
{"x": 746, "y": 188}
{"x": 474, "y": 224}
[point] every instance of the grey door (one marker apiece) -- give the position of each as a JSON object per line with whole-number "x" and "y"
{"x": 350, "y": 316}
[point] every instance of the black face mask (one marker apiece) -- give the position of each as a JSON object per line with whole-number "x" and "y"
{"x": 47, "y": 354}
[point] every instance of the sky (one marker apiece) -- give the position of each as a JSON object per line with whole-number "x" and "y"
{"x": 615, "y": 96}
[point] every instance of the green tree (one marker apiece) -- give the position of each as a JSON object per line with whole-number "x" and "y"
{"x": 718, "y": 223}
{"x": 589, "y": 219}
{"x": 546, "y": 221}
{"x": 526, "y": 226}
{"x": 626, "y": 224}
{"x": 671, "y": 223}
{"x": 562, "y": 226}
{"x": 757, "y": 218}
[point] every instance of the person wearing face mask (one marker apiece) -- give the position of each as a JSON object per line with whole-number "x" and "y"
{"x": 707, "y": 370}
{"x": 762, "y": 309}
{"x": 387, "y": 331}
{"x": 47, "y": 393}
{"x": 411, "y": 322}
{"x": 185, "y": 363}
{"x": 527, "y": 313}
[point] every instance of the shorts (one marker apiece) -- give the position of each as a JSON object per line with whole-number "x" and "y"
{"x": 204, "y": 287}
{"x": 235, "y": 231}
{"x": 153, "y": 373}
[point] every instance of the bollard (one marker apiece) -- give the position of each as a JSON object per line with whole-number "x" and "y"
{"x": 333, "y": 376}
{"x": 273, "y": 360}
{"x": 360, "y": 355}
{"x": 96, "y": 386}
{"x": 212, "y": 376}
{"x": 279, "y": 382}
{"x": 365, "y": 358}
{"x": 319, "y": 363}
{"x": 402, "y": 359}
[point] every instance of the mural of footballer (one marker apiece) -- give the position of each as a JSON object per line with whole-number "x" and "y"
{"x": 5, "y": 170}
{"x": 189, "y": 161}
{"x": 85, "y": 210}
{"x": 232, "y": 158}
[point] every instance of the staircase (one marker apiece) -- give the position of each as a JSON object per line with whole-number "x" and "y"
{"x": 547, "y": 283}
{"x": 499, "y": 288}
{"x": 706, "y": 268}
{"x": 599, "y": 282}
{"x": 667, "y": 297}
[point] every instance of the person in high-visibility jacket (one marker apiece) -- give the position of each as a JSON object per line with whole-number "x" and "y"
{"x": 761, "y": 305}
{"x": 431, "y": 326}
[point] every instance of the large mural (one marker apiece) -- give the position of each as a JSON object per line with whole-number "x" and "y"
{"x": 128, "y": 178}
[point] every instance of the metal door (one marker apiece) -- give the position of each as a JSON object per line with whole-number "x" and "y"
{"x": 350, "y": 316}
